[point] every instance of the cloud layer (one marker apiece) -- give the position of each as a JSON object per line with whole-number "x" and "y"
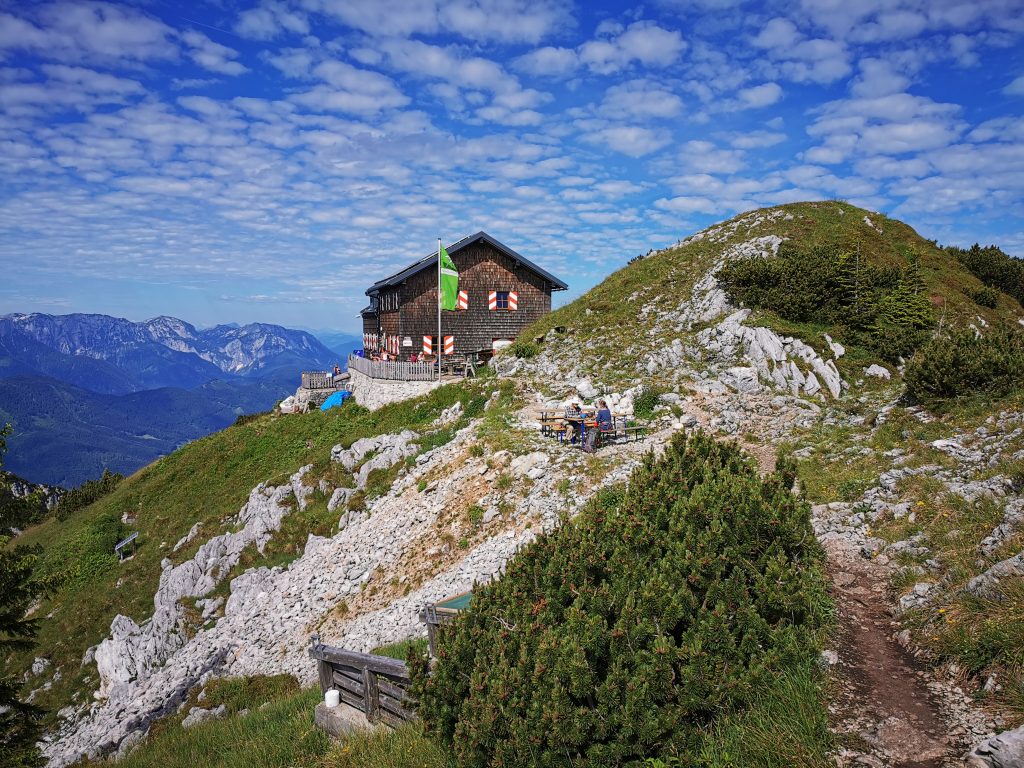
{"x": 268, "y": 162}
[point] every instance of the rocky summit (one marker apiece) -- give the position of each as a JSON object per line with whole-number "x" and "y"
{"x": 343, "y": 525}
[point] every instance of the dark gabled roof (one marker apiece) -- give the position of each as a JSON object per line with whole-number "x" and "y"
{"x": 431, "y": 260}
{"x": 366, "y": 310}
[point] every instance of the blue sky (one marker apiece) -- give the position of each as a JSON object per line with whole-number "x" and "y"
{"x": 239, "y": 161}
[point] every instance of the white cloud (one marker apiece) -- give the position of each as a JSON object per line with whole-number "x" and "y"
{"x": 548, "y": 62}
{"x": 777, "y": 33}
{"x": 639, "y": 99}
{"x": 1016, "y": 87}
{"x": 83, "y": 31}
{"x": 269, "y": 20}
{"x": 643, "y": 42}
{"x": 878, "y": 78}
{"x": 634, "y": 141}
{"x": 705, "y": 157}
{"x": 757, "y": 139}
{"x": 524, "y": 21}
{"x": 210, "y": 55}
{"x": 757, "y": 96}
{"x": 466, "y": 77}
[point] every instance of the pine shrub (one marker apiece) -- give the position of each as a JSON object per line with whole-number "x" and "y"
{"x": 884, "y": 309}
{"x": 524, "y": 349}
{"x": 985, "y": 297}
{"x": 628, "y": 632}
{"x": 993, "y": 267}
{"x": 87, "y": 493}
{"x": 966, "y": 362}
{"x": 645, "y": 401}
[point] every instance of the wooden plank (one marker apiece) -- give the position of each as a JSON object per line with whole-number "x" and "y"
{"x": 372, "y": 696}
{"x": 342, "y": 682}
{"x": 351, "y": 699}
{"x": 352, "y": 673}
{"x": 388, "y": 688}
{"x": 395, "y": 707}
{"x": 388, "y": 666}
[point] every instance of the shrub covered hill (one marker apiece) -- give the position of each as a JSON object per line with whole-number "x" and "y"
{"x": 662, "y": 600}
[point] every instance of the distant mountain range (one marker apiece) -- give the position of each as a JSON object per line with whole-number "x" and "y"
{"x": 88, "y": 392}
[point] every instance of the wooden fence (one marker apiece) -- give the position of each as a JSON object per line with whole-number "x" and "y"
{"x": 393, "y": 370}
{"x": 377, "y": 686}
{"x": 317, "y": 380}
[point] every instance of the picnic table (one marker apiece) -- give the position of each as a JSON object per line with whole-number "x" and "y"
{"x": 553, "y": 423}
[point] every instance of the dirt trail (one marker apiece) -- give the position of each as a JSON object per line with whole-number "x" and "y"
{"x": 883, "y": 710}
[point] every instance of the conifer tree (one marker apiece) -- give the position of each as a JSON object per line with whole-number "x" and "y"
{"x": 19, "y": 721}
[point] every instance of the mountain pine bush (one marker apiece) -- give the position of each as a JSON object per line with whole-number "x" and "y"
{"x": 965, "y": 362}
{"x": 993, "y": 267}
{"x": 882, "y": 308}
{"x": 627, "y": 632}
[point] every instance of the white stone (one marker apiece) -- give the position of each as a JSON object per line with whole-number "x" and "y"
{"x": 877, "y": 371}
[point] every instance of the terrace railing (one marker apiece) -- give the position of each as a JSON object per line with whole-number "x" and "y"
{"x": 393, "y": 370}
{"x": 317, "y": 380}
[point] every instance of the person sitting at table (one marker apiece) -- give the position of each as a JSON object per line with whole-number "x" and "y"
{"x": 604, "y": 416}
{"x": 574, "y": 419}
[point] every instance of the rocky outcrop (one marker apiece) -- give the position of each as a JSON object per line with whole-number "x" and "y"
{"x": 133, "y": 651}
{"x": 387, "y": 451}
{"x": 1003, "y": 751}
{"x": 988, "y": 584}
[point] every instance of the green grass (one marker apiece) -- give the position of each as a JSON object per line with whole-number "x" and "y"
{"x": 277, "y": 731}
{"x": 401, "y": 650}
{"x": 405, "y": 747}
{"x": 206, "y": 481}
{"x": 786, "y": 726}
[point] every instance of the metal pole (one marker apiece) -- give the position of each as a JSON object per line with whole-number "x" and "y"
{"x": 440, "y": 340}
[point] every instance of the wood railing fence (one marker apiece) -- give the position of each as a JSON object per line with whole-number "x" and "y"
{"x": 378, "y": 686}
{"x": 393, "y": 370}
{"x": 317, "y": 380}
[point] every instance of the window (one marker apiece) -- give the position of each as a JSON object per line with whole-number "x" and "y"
{"x": 501, "y": 300}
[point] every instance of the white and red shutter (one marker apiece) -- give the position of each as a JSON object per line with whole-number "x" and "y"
{"x": 492, "y": 300}
{"x": 449, "y": 345}
{"x": 428, "y": 345}
{"x": 463, "y": 300}
{"x": 513, "y": 300}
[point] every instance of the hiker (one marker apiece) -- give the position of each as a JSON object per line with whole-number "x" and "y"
{"x": 337, "y": 370}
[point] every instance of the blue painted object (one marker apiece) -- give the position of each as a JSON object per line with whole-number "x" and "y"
{"x": 338, "y": 398}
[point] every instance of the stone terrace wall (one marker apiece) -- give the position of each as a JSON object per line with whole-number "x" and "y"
{"x": 376, "y": 393}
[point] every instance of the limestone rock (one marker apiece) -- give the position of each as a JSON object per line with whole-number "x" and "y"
{"x": 1003, "y": 751}
{"x": 199, "y": 715}
{"x": 877, "y": 372}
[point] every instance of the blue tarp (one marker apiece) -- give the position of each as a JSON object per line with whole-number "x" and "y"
{"x": 338, "y": 398}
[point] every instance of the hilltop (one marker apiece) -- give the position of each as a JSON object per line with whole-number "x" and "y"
{"x": 344, "y": 523}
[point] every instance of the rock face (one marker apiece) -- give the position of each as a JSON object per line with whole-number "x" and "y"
{"x": 1003, "y": 751}
{"x": 376, "y": 393}
{"x": 133, "y": 651}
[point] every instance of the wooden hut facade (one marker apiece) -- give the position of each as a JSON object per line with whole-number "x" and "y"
{"x": 500, "y": 294}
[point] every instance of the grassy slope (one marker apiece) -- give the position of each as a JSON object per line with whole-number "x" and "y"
{"x": 607, "y": 322}
{"x": 206, "y": 481}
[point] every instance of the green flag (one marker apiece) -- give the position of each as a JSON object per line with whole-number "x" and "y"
{"x": 449, "y": 281}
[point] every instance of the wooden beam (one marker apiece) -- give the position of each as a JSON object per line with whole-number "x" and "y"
{"x": 383, "y": 664}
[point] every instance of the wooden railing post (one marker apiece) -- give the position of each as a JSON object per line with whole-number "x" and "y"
{"x": 372, "y": 695}
{"x": 326, "y": 675}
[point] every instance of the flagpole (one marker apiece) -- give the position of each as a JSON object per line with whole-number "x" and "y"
{"x": 440, "y": 341}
